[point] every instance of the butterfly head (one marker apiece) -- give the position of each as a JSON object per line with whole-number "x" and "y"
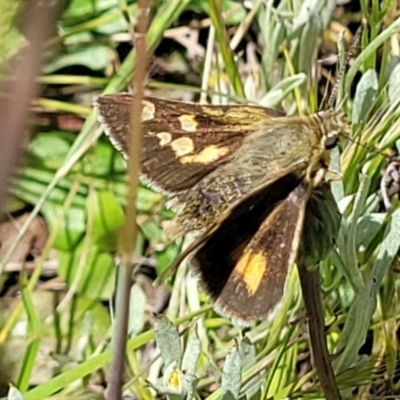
{"x": 335, "y": 125}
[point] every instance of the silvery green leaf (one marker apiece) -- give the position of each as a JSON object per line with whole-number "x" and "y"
{"x": 365, "y": 96}
{"x": 191, "y": 355}
{"x": 359, "y": 317}
{"x": 247, "y": 352}
{"x": 282, "y": 89}
{"x": 192, "y": 381}
{"x": 14, "y": 394}
{"x": 336, "y": 185}
{"x": 252, "y": 389}
{"x": 308, "y": 41}
{"x": 307, "y": 9}
{"x": 387, "y": 251}
{"x": 368, "y": 226}
{"x": 168, "y": 341}
{"x": 394, "y": 85}
{"x": 231, "y": 376}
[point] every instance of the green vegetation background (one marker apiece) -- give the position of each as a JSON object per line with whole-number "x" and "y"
{"x": 53, "y": 346}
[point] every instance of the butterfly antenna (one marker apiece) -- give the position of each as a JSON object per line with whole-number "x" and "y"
{"x": 325, "y": 96}
{"x": 353, "y": 47}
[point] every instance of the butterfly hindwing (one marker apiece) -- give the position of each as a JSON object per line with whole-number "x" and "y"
{"x": 245, "y": 263}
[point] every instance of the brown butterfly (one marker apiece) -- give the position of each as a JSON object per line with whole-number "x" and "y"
{"x": 242, "y": 177}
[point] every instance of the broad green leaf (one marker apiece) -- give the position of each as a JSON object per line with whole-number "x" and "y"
{"x": 108, "y": 215}
{"x": 95, "y": 57}
{"x": 93, "y": 271}
{"x": 165, "y": 257}
{"x": 72, "y": 224}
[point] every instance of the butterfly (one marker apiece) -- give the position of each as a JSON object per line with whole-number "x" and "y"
{"x": 244, "y": 178}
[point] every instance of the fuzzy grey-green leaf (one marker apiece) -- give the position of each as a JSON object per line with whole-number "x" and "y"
{"x": 231, "y": 376}
{"x": 191, "y": 355}
{"x": 167, "y": 339}
{"x": 365, "y": 96}
{"x": 387, "y": 252}
{"x": 282, "y": 89}
{"x": 14, "y": 394}
{"x": 394, "y": 85}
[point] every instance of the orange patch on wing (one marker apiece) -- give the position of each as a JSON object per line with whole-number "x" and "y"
{"x": 251, "y": 267}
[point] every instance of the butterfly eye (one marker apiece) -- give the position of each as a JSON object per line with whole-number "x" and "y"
{"x": 331, "y": 142}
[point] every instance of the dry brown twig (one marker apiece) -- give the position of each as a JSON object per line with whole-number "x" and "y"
{"x": 127, "y": 239}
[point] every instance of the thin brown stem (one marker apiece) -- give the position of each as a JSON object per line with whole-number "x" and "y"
{"x": 129, "y": 230}
{"x": 311, "y": 288}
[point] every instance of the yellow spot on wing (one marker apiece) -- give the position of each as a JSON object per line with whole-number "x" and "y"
{"x": 182, "y": 146}
{"x": 209, "y": 154}
{"x": 213, "y": 111}
{"x": 251, "y": 267}
{"x": 188, "y": 122}
{"x": 164, "y": 138}
{"x": 148, "y": 110}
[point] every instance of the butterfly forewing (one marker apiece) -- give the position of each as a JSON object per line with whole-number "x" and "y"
{"x": 182, "y": 142}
